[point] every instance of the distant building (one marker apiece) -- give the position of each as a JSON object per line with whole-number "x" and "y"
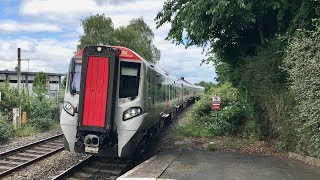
{"x": 53, "y": 81}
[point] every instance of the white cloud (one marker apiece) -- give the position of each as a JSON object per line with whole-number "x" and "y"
{"x": 44, "y": 54}
{"x": 14, "y": 26}
{"x": 53, "y": 55}
{"x": 72, "y": 10}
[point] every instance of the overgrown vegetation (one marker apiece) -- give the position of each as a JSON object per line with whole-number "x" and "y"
{"x": 269, "y": 51}
{"x": 202, "y": 121}
{"x": 42, "y": 112}
{"x": 303, "y": 64}
{"x": 5, "y": 128}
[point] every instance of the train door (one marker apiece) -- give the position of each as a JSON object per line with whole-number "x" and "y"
{"x": 98, "y": 89}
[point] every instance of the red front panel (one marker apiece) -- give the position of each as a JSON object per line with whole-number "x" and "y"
{"x": 95, "y": 100}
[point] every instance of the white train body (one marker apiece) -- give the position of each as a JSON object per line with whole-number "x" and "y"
{"x": 115, "y": 99}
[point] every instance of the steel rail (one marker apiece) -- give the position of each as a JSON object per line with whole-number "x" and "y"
{"x": 36, "y": 157}
{"x": 95, "y": 168}
{"x": 72, "y": 169}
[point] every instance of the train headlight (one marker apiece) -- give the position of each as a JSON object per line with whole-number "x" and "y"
{"x": 68, "y": 108}
{"x": 131, "y": 112}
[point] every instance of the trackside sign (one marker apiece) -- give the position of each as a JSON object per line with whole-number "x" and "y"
{"x": 216, "y": 102}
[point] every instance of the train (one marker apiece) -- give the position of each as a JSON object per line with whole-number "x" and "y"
{"x": 115, "y": 101}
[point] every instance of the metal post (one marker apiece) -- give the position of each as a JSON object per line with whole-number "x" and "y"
{"x": 19, "y": 81}
{"x": 19, "y": 69}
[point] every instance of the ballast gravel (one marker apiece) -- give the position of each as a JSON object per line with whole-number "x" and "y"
{"x": 21, "y": 141}
{"x": 47, "y": 168}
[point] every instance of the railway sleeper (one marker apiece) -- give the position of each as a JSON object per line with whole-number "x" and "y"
{"x": 29, "y": 155}
{"x": 48, "y": 146}
{"x": 19, "y": 158}
{"x": 36, "y": 152}
{"x": 5, "y": 168}
{"x": 55, "y": 144}
{"x": 72, "y": 178}
{"x": 82, "y": 175}
{"x": 44, "y": 149}
{"x": 10, "y": 162}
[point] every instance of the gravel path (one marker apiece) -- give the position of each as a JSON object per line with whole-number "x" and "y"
{"x": 20, "y": 141}
{"x": 167, "y": 139}
{"x": 47, "y": 168}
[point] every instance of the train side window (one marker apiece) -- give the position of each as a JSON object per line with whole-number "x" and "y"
{"x": 129, "y": 79}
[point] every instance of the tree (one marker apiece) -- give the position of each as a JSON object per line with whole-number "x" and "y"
{"x": 39, "y": 84}
{"x": 137, "y": 36}
{"x": 233, "y": 28}
{"x": 97, "y": 29}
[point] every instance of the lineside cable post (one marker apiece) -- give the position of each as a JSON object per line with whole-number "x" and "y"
{"x": 19, "y": 82}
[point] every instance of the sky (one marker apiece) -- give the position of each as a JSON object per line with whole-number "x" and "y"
{"x": 47, "y": 31}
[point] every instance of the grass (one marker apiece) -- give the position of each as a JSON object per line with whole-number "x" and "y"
{"x": 189, "y": 128}
{"x": 212, "y": 146}
{"x": 26, "y": 131}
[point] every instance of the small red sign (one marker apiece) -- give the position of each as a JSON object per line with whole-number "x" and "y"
{"x": 216, "y": 103}
{"x": 215, "y": 107}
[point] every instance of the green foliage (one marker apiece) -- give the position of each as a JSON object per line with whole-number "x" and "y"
{"x": 40, "y": 80}
{"x": 206, "y": 85}
{"x": 212, "y": 146}
{"x": 233, "y": 28}
{"x": 246, "y": 40}
{"x": 98, "y": 29}
{"x": 303, "y": 63}
{"x": 203, "y": 121}
{"x": 27, "y": 130}
{"x": 41, "y": 123}
{"x": 6, "y": 129}
{"x": 9, "y": 98}
{"x": 39, "y": 85}
{"x": 264, "y": 85}
{"x": 41, "y": 111}
{"x": 137, "y": 36}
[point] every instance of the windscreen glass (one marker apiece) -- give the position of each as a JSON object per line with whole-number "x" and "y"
{"x": 76, "y": 77}
{"x": 129, "y": 79}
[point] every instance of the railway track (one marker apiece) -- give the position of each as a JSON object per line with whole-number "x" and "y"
{"x": 20, "y": 157}
{"x": 94, "y": 167}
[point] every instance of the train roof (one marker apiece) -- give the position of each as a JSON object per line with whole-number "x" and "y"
{"x": 126, "y": 53}
{"x": 198, "y": 87}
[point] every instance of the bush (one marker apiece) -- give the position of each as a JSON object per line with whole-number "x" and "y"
{"x": 6, "y": 129}
{"x": 303, "y": 64}
{"x": 43, "y": 109}
{"x": 203, "y": 121}
{"x": 26, "y": 130}
{"x": 41, "y": 123}
{"x": 9, "y": 99}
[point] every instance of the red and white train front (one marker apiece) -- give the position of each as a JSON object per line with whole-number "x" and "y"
{"x": 93, "y": 101}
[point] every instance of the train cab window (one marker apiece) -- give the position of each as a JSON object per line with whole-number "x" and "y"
{"x": 76, "y": 77}
{"x": 129, "y": 79}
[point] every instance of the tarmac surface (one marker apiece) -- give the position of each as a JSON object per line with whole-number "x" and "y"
{"x": 204, "y": 165}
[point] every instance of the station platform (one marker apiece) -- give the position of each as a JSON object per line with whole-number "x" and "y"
{"x": 206, "y": 165}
